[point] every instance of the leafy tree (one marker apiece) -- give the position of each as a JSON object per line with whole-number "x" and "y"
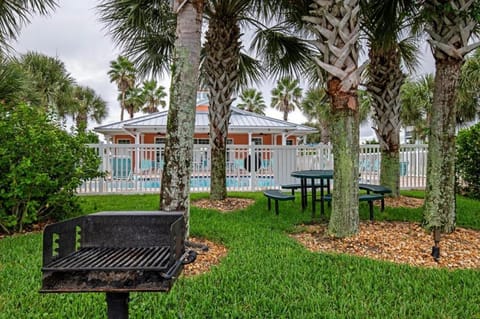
{"x": 450, "y": 25}
{"x": 153, "y": 96}
{"x": 123, "y": 73}
{"x": 468, "y": 153}
{"x": 286, "y": 96}
{"x": 38, "y": 179}
{"x": 15, "y": 14}
{"x": 252, "y": 100}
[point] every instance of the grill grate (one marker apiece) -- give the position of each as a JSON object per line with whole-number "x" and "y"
{"x": 108, "y": 259}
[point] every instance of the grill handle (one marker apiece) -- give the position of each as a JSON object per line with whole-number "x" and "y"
{"x": 187, "y": 258}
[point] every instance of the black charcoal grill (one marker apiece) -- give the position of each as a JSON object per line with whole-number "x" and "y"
{"x": 116, "y": 253}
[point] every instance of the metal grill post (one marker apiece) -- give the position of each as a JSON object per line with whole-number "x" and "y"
{"x": 117, "y": 305}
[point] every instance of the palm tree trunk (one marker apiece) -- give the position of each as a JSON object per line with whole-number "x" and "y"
{"x": 344, "y": 220}
{"x": 122, "y": 105}
{"x": 175, "y": 187}
{"x": 222, "y": 50}
{"x": 440, "y": 193}
{"x": 385, "y": 81}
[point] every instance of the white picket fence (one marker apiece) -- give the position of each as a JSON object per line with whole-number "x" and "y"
{"x": 137, "y": 168}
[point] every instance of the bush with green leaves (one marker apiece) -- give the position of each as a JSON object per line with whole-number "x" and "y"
{"x": 41, "y": 165}
{"x": 468, "y": 155}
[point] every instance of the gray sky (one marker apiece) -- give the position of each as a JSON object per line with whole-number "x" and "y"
{"x": 74, "y": 35}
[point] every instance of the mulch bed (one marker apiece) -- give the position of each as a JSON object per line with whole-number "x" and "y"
{"x": 398, "y": 242}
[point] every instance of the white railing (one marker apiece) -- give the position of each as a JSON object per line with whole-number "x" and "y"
{"x": 137, "y": 168}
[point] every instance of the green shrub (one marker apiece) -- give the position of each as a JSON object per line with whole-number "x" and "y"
{"x": 41, "y": 165}
{"x": 468, "y": 155}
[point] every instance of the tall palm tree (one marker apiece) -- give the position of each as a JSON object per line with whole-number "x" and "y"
{"x": 450, "y": 24}
{"x": 153, "y": 96}
{"x": 87, "y": 105}
{"x": 15, "y": 14}
{"x": 50, "y": 79}
{"x": 175, "y": 188}
{"x": 222, "y": 67}
{"x": 134, "y": 100}
{"x": 286, "y": 96}
{"x": 123, "y": 73}
{"x": 335, "y": 25}
{"x": 384, "y": 22}
{"x": 252, "y": 100}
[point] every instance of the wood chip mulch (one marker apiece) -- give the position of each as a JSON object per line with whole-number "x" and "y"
{"x": 398, "y": 242}
{"x": 229, "y": 204}
{"x": 205, "y": 259}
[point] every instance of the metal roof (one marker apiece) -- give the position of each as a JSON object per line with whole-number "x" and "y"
{"x": 240, "y": 122}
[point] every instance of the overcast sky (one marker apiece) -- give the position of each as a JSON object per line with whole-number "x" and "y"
{"x": 74, "y": 35}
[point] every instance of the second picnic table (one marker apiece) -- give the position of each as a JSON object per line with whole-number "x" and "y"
{"x": 324, "y": 175}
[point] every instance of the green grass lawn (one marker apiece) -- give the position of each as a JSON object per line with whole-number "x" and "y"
{"x": 266, "y": 274}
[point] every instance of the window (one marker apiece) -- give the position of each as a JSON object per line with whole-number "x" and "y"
{"x": 201, "y": 141}
{"x": 123, "y": 141}
{"x": 159, "y": 140}
{"x": 257, "y": 141}
{"x": 289, "y": 142}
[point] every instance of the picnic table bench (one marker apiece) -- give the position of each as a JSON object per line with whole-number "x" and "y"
{"x": 276, "y": 195}
{"x": 363, "y": 198}
{"x": 294, "y": 187}
{"x": 376, "y": 189}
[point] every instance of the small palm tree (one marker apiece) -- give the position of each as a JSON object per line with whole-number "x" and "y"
{"x": 252, "y": 101}
{"x": 416, "y": 99}
{"x": 123, "y": 73}
{"x": 134, "y": 100}
{"x": 87, "y": 105}
{"x": 316, "y": 108}
{"x": 286, "y": 96}
{"x": 153, "y": 96}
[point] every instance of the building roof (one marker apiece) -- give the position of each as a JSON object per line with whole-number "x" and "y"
{"x": 240, "y": 122}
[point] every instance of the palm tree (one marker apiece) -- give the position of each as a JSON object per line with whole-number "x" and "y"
{"x": 134, "y": 100}
{"x": 87, "y": 105}
{"x": 384, "y": 22}
{"x": 15, "y": 14}
{"x": 50, "y": 80}
{"x": 286, "y": 96}
{"x": 468, "y": 95}
{"x": 153, "y": 96}
{"x": 316, "y": 108}
{"x": 123, "y": 73}
{"x": 175, "y": 188}
{"x": 416, "y": 98}
{"x": 450, "y": 25}
{"x": 335, "y": 25}
{"x": 222, "y": 63}
{"x": 252, "y": 101}
{"x": 222, "y": 67}
{"x": 15, "y": 85}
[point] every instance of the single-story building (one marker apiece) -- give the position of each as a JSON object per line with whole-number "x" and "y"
{"x": 245, "y": 128}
